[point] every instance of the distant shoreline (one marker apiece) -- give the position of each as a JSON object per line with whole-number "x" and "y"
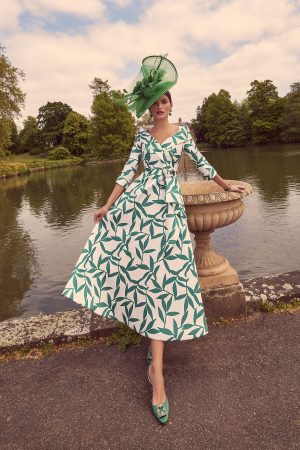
{"x": 10, "y": 169}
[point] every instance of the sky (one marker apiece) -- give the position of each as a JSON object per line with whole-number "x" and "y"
{"x": 61, "y": 45}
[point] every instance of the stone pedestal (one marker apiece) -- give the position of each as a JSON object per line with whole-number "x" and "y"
{"x": 213, "y": 269}
{"x": 209, "y": 207}
{"x": 224, "y": 301}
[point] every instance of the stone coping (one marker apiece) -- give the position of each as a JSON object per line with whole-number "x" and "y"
{"x": 277, "y": 287}
{"x": 78, "y": 324}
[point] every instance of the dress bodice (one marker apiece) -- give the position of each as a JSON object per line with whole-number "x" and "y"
{"x": 161, "y": 161}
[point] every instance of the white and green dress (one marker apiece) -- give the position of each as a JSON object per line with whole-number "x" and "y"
{"x": 138, "y": 265}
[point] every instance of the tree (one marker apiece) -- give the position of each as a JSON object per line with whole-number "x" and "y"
{"x": 12, "y": 100}
{"x": 198, "y": 124}
{"x": 290, "y": 119}
{"x": 265, "y": 108}
{"x": 5, "y": 136}
{"x": 222, "y": 121}
{"x": 111, "y": 130}
{"x": 245, "y": 122}
{"x": 99, "y": 86}
{"x": 14, "y": 138}
{"x": 30, "y": 136}
{"x": 75, "y": 133}
{"x": 51, "y": 119}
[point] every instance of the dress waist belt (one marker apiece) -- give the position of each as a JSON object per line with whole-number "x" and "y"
{"x": 167, "y": 179}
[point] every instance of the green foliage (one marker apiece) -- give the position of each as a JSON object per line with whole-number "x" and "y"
{"x": 14, "y": 138}
{"x": 12, "y": 99}
{"x": 19, "y": 168}
{"x": 111, "y": 129}
{"x": 59, "y": 152}
{"x": 99, "y": 86}
{"x": 270, "y": 307}
{"x": 30, "y": 139}
{"x": 263, "y": 117}
{"x": 265, "y": 107}
{"x": 290, "y": 120}
{"x": 12, "y": 168}
{"x": 75, "y": 133}
{"x": 198, "y": 124}
{"x": 223, "y": 321}
{"x": 222, "y": 121}
{"x": 123, "y": 336}
{"x": 245, "y": 121}
{"x": 5, "y": 134}
{"x": 51, "y": 119}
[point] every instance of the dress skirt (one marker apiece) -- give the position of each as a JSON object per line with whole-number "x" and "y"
{"x": 137, "y": 266}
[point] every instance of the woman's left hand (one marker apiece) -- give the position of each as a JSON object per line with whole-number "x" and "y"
{"x": 236, "y": 188}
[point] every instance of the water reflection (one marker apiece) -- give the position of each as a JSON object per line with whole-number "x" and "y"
{"x": 46, "y": 218}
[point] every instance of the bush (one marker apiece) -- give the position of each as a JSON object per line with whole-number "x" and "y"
{"x": 7, "y": 168}
{"x": 59, "y": 152}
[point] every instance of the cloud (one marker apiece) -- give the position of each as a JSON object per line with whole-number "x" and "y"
{"x": 121, "y": 3}
{"x": 213, "y": 44}
{"x": 81, "y": 8}
{"x": 10, "y": 11}
{"x": 13, "y": 10}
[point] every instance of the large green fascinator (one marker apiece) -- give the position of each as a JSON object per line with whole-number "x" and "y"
{"x": 156, "y": 76}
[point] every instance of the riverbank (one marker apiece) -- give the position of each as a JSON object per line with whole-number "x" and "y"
{"x": 22, "y": 166}
{"x": 261, "y": 293}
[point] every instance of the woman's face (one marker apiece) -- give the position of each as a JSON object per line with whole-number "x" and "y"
{"x": 161, "y": 108}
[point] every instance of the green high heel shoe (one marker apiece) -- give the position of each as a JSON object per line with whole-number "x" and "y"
{"x": 161, "y": 411}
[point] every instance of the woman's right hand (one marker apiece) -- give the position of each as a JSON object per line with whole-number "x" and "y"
{"x": 100, "y": 213}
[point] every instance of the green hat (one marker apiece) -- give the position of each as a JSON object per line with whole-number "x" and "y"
{"x": 156, "y": 76}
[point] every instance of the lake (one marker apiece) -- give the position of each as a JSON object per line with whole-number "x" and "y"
{"x": 46, "y": 218}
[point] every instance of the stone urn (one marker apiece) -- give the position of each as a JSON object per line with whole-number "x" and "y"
{"x": 209, "y": 207}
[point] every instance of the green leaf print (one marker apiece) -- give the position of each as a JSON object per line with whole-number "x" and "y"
{"x": 151, "y": 301}
{"x": 101, "y": 304}
{"x": 180, "y": 335}
{"x": 184, "y": 317}
{"x": 175, "y": 328}
{"x": 138, "y": 266}
{"x": 75, "y": 283}
{"x": 194, "y": 332}
{"x": 165, "y": 331}
{"x": 161, "y": 316}
{"x": 153, "y": 331}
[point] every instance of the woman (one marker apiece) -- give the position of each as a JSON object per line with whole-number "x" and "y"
{"x": 138, "y": 265}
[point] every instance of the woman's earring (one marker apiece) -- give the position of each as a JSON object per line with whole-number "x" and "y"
{"x": 170, "y": 113}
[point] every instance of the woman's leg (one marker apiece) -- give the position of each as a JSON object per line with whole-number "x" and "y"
{"x": 156, "y": 372}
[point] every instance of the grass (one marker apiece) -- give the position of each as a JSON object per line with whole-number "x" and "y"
{"x": 124, "y": 336}
{"x": 270, "y": 307}
{"x": 227, "y": 320}
{"x": 266, "y": 306}
{"x": 48, "y": 349}
{"x": 24, "y": 157}
{"x": 26, "y": 163}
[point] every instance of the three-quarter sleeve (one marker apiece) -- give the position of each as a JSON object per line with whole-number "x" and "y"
{"x": 132, "y": 163}
{"x": 202, "y": 165}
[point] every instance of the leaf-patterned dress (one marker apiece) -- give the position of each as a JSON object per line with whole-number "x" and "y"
{"x": 138, "y": 265}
